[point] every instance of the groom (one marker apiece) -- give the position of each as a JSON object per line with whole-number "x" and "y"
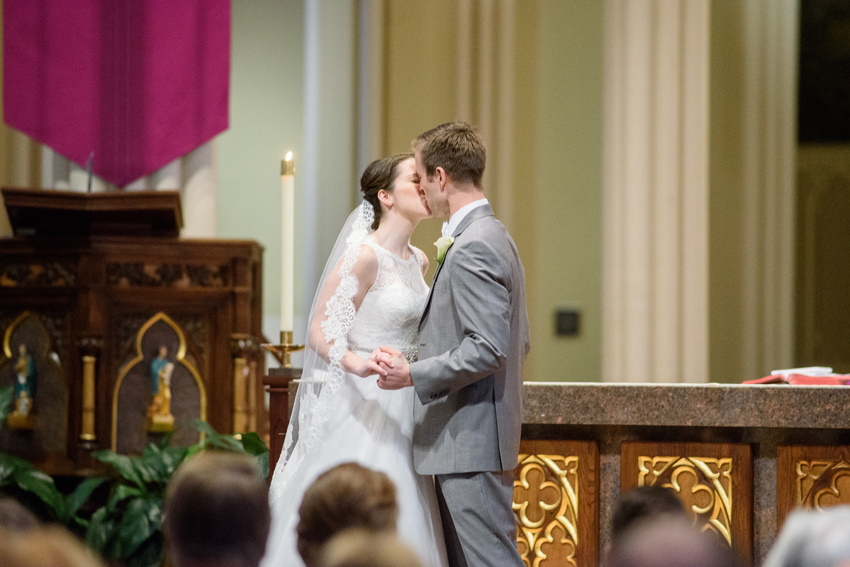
{"x": 473, "y": 340}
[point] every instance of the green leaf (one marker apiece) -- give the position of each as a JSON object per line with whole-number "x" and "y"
{"x": 173, "y": 457}
{"x": 162, "y": 461}
{"x": 262, "y": 465}
{"x": 147, "y": 471}
{"x": 166, "y": 439}
{"x": 204, "y": 427}
{"x": 142, "y": 519}
{"x": 9, "y": 465}
{"x": 100, "y": 531}
{"x": 122, "y": 464}
{"x": 77, "y": 498}
{"x": 216, "y": 440}
{"x": 253, "y": 445}
{"x": 121, "y": 493}
{"x": 149, "y": 553}
{"x": 192, "y": 451}
{"x": 42, "y": 486}
{"x": 6, "y": 396}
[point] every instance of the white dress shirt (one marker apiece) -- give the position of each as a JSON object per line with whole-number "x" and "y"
{"x": 460, "y": 214}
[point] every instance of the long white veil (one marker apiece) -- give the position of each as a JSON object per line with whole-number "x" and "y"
{"x": 320, "y": 378}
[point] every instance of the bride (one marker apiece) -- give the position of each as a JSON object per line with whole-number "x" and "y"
{"x": 372, "y": 293}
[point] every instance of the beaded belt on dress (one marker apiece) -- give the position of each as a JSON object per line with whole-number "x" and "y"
{"x": 410, "y": 354}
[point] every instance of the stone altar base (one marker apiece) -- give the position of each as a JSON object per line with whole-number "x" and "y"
{"x": 736, "y": 432}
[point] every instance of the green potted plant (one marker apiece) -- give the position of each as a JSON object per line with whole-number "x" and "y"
{"x": 127, "y": 530}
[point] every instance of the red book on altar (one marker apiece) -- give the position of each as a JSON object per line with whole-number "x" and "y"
{"x": 803, "y": 380}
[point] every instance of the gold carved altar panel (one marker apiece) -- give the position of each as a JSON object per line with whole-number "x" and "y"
{"x": 713, "y": 480}
{"x": 556, "y": 503}
{"x": 811, "y": 477}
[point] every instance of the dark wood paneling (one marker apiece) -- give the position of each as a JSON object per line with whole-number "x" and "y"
{"x": 811, "y": 477}
{"x": 105, "y": 288}
{"x": 556, "y": 503}
{"x": 713, "y": 480}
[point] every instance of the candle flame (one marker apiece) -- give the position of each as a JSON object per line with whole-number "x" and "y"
{"x": 288, "y": 156}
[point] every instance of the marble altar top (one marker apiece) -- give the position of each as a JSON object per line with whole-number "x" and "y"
{"x": 687, "y": 405}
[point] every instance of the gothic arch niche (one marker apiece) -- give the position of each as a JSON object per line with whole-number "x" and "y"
{"x": 47, "y": 437}
{"x": 133, "y": 390}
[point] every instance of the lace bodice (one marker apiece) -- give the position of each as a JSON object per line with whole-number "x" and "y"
{"x": 390, "y": 312}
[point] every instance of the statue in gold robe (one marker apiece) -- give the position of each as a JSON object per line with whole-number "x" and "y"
{"x": 159, "y": 411}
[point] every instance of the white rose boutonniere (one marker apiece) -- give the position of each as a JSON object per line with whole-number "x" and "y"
{"x": 443, "y": 244}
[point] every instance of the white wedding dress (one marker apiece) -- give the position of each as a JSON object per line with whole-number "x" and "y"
{"x": 367, "y": 425}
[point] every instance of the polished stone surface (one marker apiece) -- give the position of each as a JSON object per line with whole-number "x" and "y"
{"x": 690, "y": 405}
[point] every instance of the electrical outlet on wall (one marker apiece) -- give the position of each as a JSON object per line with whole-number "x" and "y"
{"x": 567, "y": 322}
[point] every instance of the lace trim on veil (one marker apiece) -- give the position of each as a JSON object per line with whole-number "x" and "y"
{"x": 314, "y": 395}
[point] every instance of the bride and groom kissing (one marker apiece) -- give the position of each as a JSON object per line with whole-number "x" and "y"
{"x": 422, "y": 384}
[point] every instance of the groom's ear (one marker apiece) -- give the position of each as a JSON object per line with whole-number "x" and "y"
{"x": 442, "y": 178}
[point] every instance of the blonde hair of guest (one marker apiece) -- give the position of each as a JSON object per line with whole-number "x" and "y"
{"x": 49, "y": 546}
{"x": 363, "y": 548}
{"x": 346, "y": 496}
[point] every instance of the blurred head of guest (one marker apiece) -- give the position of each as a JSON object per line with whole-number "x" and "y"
{"x": 641, "y": 503}
{"x": 14, "y": 517}
{"x": 49, "y": 546}
{"x": 364, "y": 548}
{"x": 813, "y": 539}
{"x": 346, "y": 496}
{"x": 669, "y": 541}
{"x": 217, "y": 512}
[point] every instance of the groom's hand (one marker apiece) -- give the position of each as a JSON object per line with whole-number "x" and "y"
{"x": 398, "y": 371}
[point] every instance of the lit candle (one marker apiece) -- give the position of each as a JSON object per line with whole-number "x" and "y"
{"x": 287, "y": 227}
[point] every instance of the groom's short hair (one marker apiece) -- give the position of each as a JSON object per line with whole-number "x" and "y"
{"x": 456, "y": 147}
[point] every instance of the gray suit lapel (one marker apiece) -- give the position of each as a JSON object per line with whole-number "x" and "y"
{"x": 474, "y": 214}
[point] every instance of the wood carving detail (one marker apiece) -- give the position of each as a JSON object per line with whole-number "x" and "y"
{"x": 47, "y": 274}
{"x": 704, "y": 486}
{"x": 140, "y": 274}
{"x": 821, "y": 484}
{"x": 546, "y": 507}
{"x": 196, "y": 328}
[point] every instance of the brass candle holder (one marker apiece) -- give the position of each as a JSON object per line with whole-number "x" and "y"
{"x": 284, "y": 350}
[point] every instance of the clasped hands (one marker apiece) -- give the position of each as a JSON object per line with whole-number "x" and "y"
{"x": 391, "y": 367}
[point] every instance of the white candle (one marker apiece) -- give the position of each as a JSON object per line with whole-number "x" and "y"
{"x": 287, "y": 249}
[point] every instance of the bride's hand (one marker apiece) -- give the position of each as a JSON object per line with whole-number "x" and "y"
{"x": 377, "y": 363}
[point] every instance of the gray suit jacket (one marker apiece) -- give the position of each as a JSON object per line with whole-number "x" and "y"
{"x": 473, "y": 340}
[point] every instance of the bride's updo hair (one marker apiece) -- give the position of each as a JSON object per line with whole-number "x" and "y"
{"x": 380, "y": 174}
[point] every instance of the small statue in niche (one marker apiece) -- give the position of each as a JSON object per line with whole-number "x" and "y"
{"x": 26, "y": 381}
{"x": 159, "y": 411}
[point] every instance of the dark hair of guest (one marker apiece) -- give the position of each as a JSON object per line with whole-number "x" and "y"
{"x": 217, "y": 509}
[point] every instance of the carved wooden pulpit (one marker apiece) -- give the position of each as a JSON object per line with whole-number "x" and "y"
{"x": 130, "y": 331}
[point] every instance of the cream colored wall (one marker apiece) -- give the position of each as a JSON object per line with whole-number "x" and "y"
{"x": 556, "y": 152}
{"x": 269, "y": 115}
{"x": 266, "y": 120}
{"x": 752, "y": 187}
{"x": 726, "y": 198}
{"x": 567, "y": 225}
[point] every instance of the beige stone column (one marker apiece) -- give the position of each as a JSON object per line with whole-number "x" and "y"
{"x": 655, "y": 195}
{"x": 198, "y": 192}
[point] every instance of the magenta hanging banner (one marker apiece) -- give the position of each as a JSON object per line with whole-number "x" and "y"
{"x": 139, "y": 83}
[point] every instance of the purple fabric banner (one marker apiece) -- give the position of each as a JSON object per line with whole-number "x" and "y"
{"x": 139, "y": 83}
